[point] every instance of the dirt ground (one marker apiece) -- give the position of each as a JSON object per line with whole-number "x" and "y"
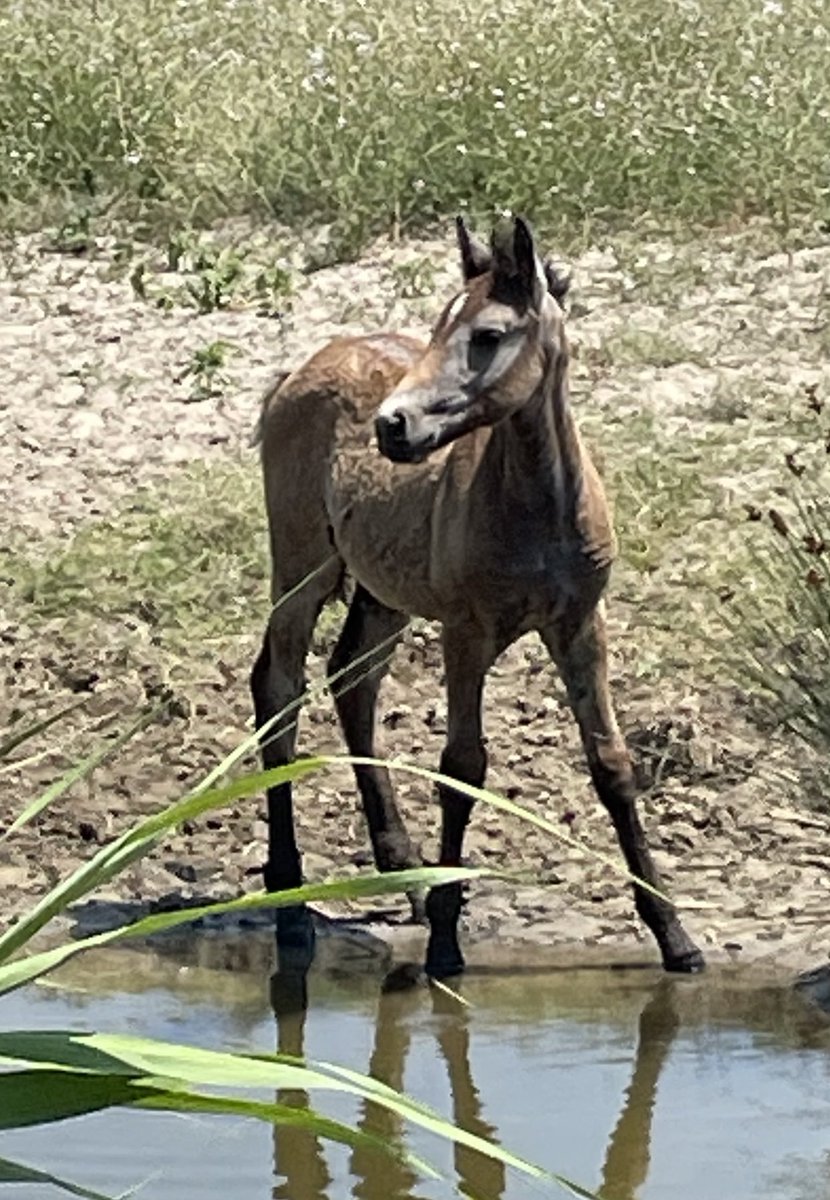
{"x": 93, "y": 406}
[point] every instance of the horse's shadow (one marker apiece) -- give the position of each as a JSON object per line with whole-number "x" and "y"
{"x": 300, "y": 1162}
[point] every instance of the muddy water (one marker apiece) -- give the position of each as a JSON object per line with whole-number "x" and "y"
{"x": 710, "y": 1089}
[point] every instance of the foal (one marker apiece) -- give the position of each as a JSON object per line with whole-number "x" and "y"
{"x": 482, "y": 511}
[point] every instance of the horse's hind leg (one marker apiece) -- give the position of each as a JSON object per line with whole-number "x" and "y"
{"x": 358, "y": 664}
{"x": 277, "y": 687}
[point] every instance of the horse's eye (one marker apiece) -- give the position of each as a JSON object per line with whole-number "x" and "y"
{"x": 483, "y": 345}
{"x": 486, "y": 339}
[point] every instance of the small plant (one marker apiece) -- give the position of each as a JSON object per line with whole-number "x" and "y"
{"x": 414, "y": 278}
{"x": 138, "y": 280}
{"x": 217, "y": 277}
{"x": 212, "y": 277}
{"x": 74, "y": 234}
{"x": 273, "y": 287}
{"x": 205, "y": 369}
{"x": 180, "y": 244}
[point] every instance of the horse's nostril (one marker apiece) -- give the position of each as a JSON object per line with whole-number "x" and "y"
{"x": 394, "y": 432}
{"x": 393, "y": 426}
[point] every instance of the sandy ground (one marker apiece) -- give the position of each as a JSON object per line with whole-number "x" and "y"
{"x": 91, "y": 407}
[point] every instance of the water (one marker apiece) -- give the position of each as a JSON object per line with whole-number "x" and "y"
{"x": 707, "y": 1089}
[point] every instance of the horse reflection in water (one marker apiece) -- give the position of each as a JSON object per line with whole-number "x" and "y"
{"x": 299, "y": 1156}
{"x": 628, "y": 1156}
{"x": 300, "y": 1163}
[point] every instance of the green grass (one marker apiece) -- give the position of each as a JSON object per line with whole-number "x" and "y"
{"x": 187, "y": 557}
{"x": 730, "y": 594}
{"x": 659, "y": 500}
{"x": 678, "y": 545}
{"x": 373, "y": 119}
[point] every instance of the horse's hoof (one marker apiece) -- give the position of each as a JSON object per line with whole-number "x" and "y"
{"x": 418, "y": 905}
{"x": 295, "y": 931}
{"x": 690, "y": 963}
{"x": 444, "y": 963}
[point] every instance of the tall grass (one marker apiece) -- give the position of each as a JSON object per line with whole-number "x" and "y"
{"x": 368, "y": 115}
{"x": 186, "y": 556}
{"x": 780, "y": 614}
{"x": 47, "y": 1076}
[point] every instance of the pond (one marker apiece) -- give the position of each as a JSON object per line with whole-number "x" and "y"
{"x": 716, "y": 1088}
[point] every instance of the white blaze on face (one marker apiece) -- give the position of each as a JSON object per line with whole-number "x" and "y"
{"x": 456, "y": 306}
{"x": 455, "y": 373}
{"x": 455, "y": 378}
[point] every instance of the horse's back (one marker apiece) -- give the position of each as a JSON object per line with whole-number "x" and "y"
{"x": 309, "y": 418}
{"x": 348, "y": 377}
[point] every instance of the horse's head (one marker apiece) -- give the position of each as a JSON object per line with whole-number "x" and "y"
{"x": 489, "y": 351}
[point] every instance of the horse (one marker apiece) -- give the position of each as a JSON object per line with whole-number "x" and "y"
{"x": 447, "y": 480}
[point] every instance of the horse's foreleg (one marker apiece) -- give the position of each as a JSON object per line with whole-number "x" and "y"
{"x": 580, "y": 651}
{"x": 467, "y": 657}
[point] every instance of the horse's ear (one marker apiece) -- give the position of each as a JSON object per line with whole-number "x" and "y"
{"x": 529, "y": 269}
{"x": 519, "y": 273}
{"x": 475, "y": 258}
{"x": 558, "y": 285}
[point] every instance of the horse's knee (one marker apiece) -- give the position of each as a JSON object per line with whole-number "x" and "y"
{"x": 612, "y": 770}
{"x": 258, "y": 679}
{"x": 465, "y": 761}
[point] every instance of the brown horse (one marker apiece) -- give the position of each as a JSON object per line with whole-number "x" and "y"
{"x": 482, "y": 511}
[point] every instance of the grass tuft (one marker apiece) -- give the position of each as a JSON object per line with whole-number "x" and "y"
{"x": 781, "y": 620}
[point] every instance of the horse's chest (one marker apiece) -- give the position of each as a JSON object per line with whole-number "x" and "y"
{"x": 526, "y": 578}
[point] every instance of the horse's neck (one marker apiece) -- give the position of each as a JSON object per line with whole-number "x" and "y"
{"x": 539, "y": 455}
